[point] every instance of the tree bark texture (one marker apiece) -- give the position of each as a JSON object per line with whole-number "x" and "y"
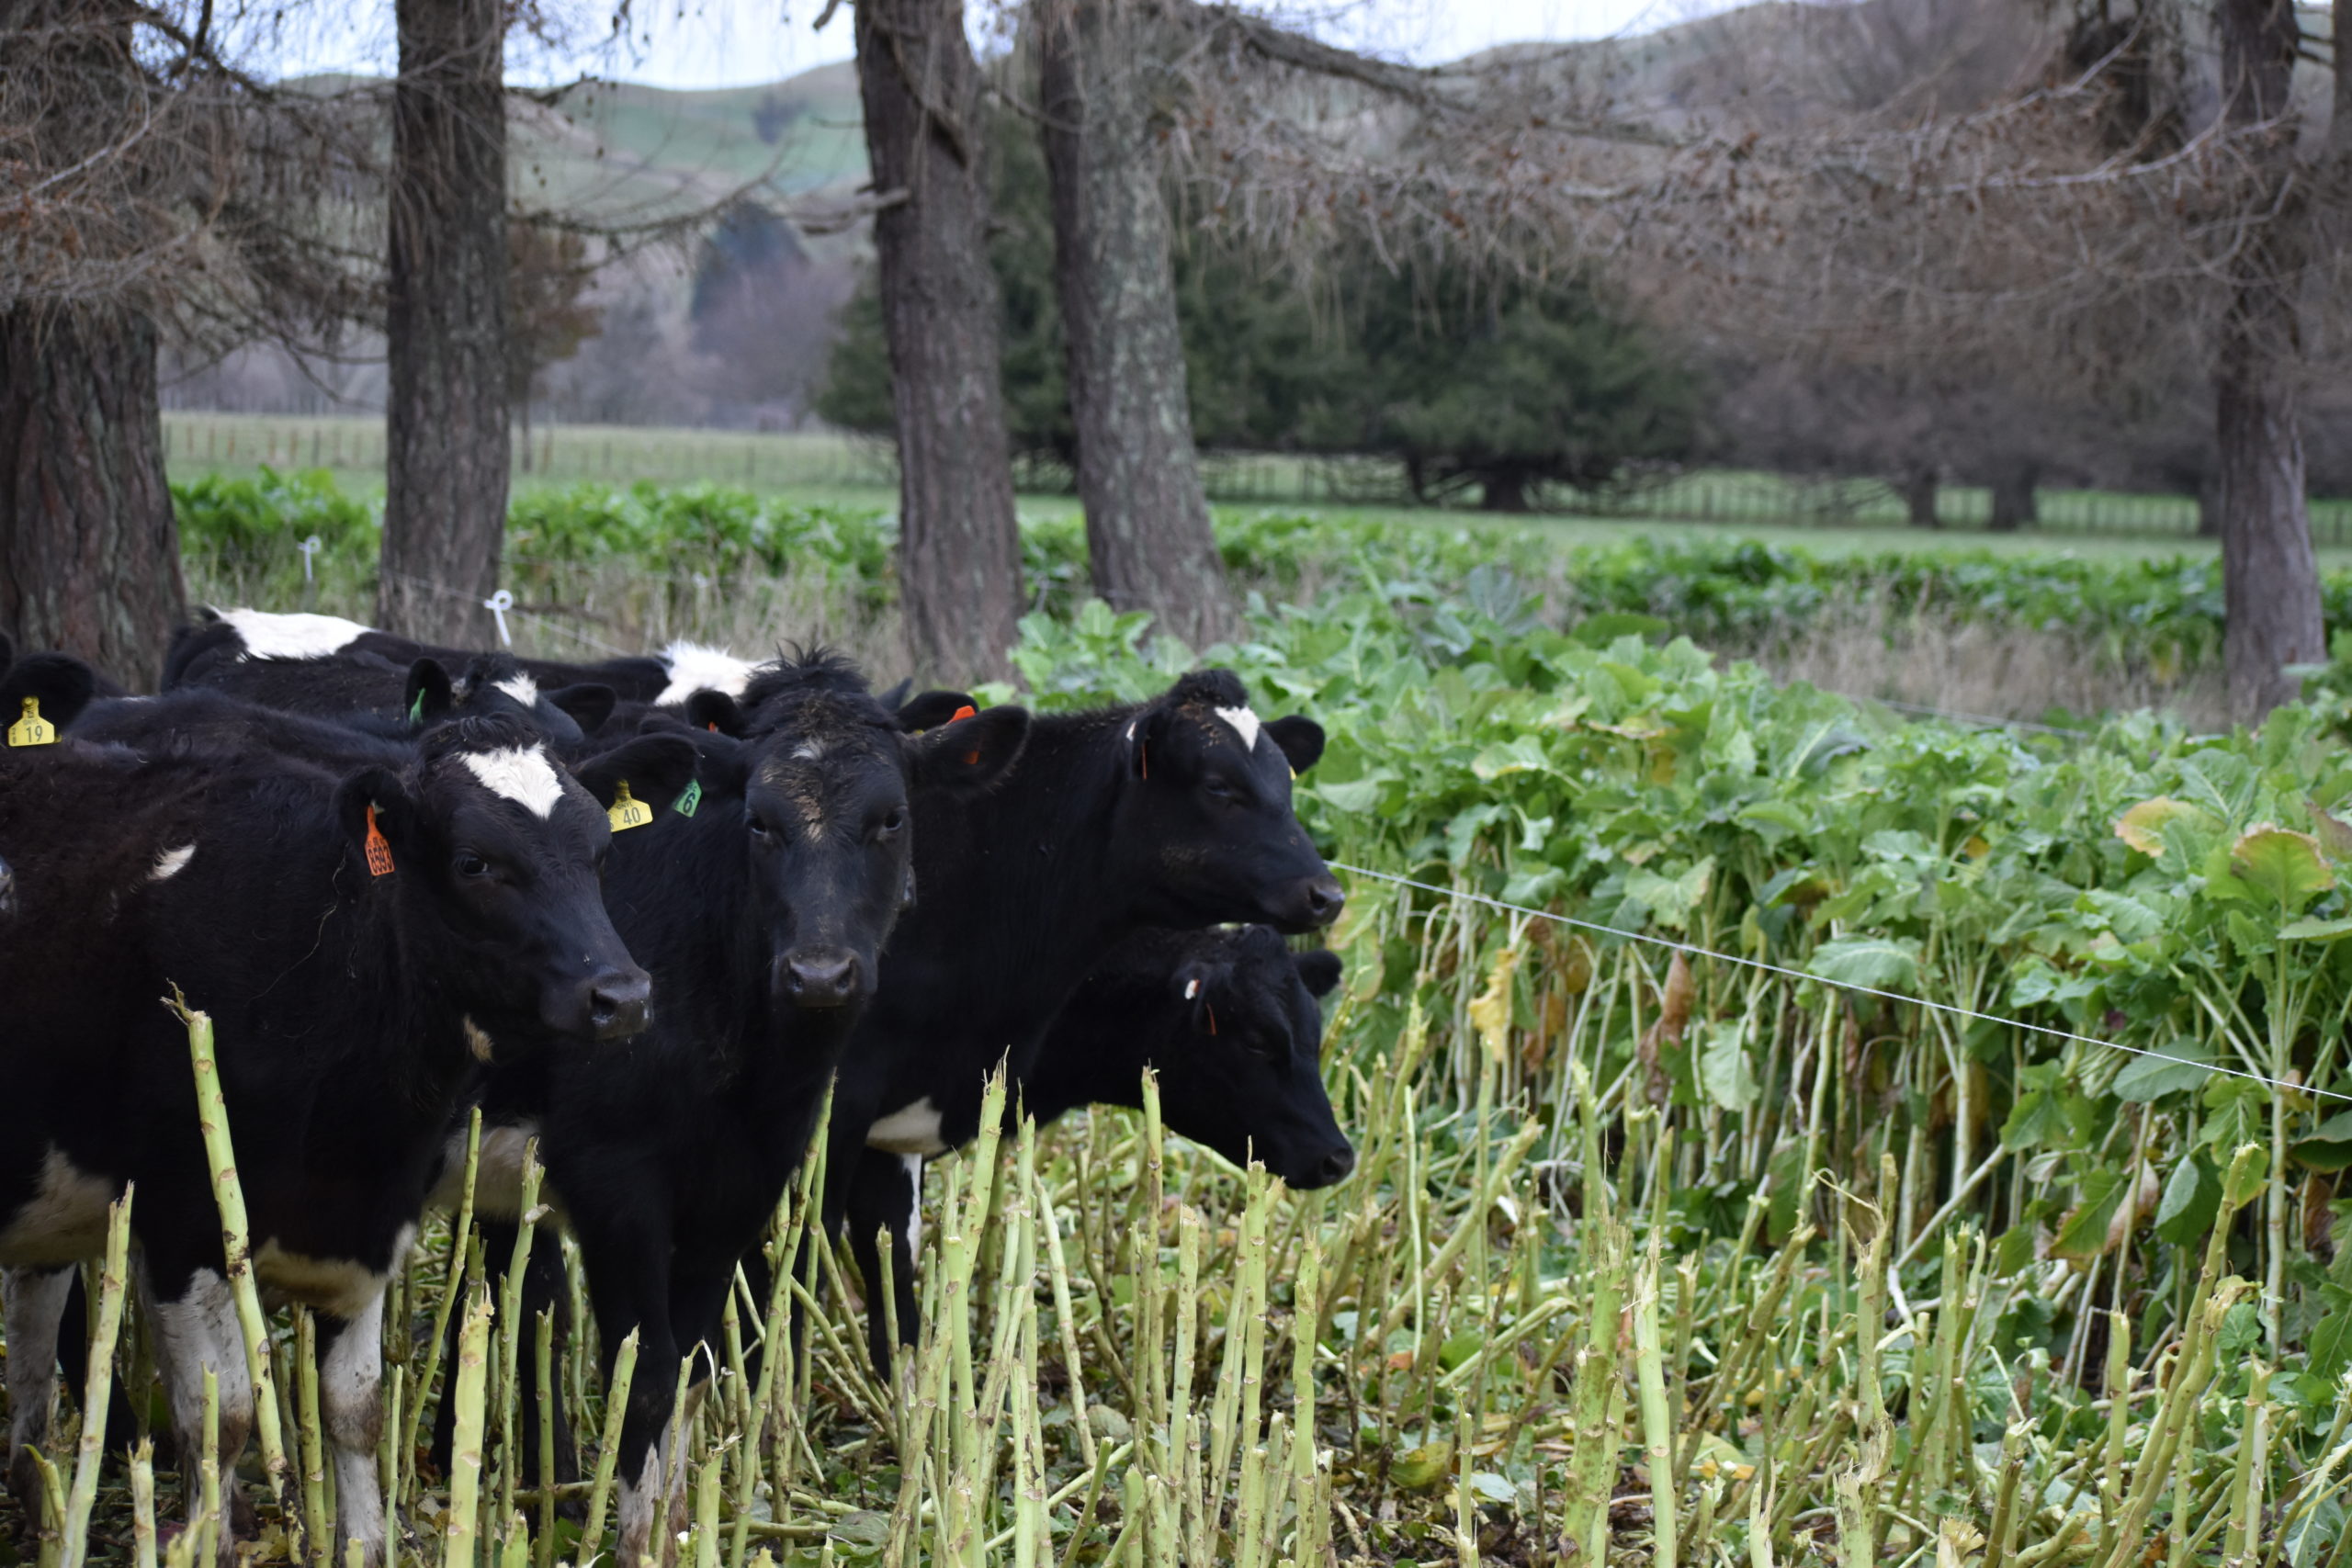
{"x": 959, "y": 545}
{"x": 2270, "y": 581}
{"x": 1147, "y": 533}
{"x": 447, "y": 440}
{"x": 89, "y": 553}
{"x": 1917, "y": 488}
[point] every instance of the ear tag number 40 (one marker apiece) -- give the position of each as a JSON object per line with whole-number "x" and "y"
{"x": 627, "y": 811}
{"x": 33, "y": 729}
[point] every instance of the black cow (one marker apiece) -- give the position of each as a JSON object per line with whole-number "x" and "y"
{"x": 352, "y": 1003}
{"x": 761, "y": 918}
{"x": 1227, "y": 1019}
{"x": 1174, "y": 813}
{"x": 230, "y": 635}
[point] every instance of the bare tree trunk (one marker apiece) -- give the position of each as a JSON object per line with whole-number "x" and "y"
{"x": 2013, "y": 487}
{"x": 959, "y": 544}
{"x": 1147, "y": 533}
{"x": 89, "y": 553}
{"x": 2270, "y": 581}
{"x": 448, "y": 441}
{"x": 1504, "y": 490}
{"x": 1917, "y": 488}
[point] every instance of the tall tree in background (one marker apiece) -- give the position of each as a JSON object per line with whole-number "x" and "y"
{"x": 2270, "y": 579}
{"x": 447, "y": 446}
{"x": 959, "y": 544}
{"x": 89, "y": 558}
{"x": 1148, "y": 535}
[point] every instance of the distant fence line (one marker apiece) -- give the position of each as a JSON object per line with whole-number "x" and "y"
{"x": 624, "y": 454}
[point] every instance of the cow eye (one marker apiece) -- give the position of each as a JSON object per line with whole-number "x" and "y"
{"x": 760, "y": 831}
{"x": 892, "y": 824}
{"x": 472, "y": 865}
{"x": 1218, "y": 789}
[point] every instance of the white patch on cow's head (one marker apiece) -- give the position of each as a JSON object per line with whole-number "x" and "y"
{"x": 808, "y": 751}
{"x": 269, "y": 636}
{"x": 695, "y": 668}
{"x": 909, "y": 1130}
{"x": 1245, "y": 724}
{"x": 171, "y": 862}
{"x": 1131, "y": 729}
{"x": 1191, "y": 988}
{"x": 520, "y": 773}
{"x": 522, "y": 688}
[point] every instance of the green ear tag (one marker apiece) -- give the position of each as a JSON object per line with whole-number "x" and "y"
{"x": 627, "y": 811}
{"x": 688, "y": 798}
{"x": 416, "y": 708}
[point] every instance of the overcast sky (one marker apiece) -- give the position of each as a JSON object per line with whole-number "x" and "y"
{"x": 728, "y": 43}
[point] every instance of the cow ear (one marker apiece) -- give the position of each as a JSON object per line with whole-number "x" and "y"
{"x": 1318, "y": 970}
{"x": 430, "y": 695}
{"x": 714, "y": 711}
{"x": 60, "y": 683}
{"x": 1197, "y": 985}
{"x": 969, "y": 755}
{"x": 657, "y": 768}
{"x": 393, "y": 806}
{"x": 929, "y": 710}
{"x": 1301, "y": 739}
{"x": 590, "y": 704}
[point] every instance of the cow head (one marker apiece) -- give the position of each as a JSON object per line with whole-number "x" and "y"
{"x": 495, "y": 683}
{"x": 827, "y": 777}
{"x": 61, "y": 685}
{"x": 1240, "y": 1061}
{"x": 1207, "y": 806}
{"x": 494, "y": 849}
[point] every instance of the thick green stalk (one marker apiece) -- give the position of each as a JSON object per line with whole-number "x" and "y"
{"x": 600, "y": 1494}
{"x": 460, "y": 1542}
{"x": 315, "y": 1530}
{"x": 142, "y": 1505}
{"x": 99, "y": 1389}
{"x": 452, "y": 1284}
{"x": 1658, "y": 1425}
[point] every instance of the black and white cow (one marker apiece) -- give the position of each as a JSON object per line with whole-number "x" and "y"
{"x": 361, "y": 939}
{"x": 1228, "y": 1019}
{"x": 1174, "y": 813}
{"x": 761, "y": 918}
{"x": 242, "y": 635}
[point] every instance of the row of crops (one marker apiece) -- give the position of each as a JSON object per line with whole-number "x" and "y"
{"x": 1681, "y": 1233}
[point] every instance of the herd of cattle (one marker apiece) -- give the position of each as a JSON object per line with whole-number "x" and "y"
{"x": 645, "y": 911}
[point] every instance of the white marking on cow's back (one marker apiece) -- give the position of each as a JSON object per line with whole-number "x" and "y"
{"x": 915, "y": 1202}
{"x": 63, "y": 1222}
{"x": 171, "y": 862}
{"x": 697, "y": 667}
{"x": 1245, "y": 724}
{"x": 519, "y": 773}
{"x": 522, "y": 688}
{"x": 909, "y": 1130}
{"x": 267, "y": 635}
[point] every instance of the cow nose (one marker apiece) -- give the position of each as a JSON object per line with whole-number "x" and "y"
{"x": 1325, "y": 898}
{"x": 617, "y": 1004}
{"x": 822, "y": 978}
{"x": 1333, "y": 1167}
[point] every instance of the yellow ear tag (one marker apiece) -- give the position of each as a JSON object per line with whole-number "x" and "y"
{"x": 627, "y": 811}
{"x": 33, "y": 729}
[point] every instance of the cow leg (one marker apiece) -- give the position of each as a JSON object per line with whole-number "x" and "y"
{"x": 35, "y": 1303}
{"x": 628, "y": 1279}
{"x": 195, "y": 1330}
{"x": 350, "y": 1379}
{"x": 886, "y": 1195}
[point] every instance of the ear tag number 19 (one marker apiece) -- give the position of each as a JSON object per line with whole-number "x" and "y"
{"x": 33, "y": 729}
{"x": 627, "y": 811}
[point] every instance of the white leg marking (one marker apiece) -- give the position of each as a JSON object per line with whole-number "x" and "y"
{"x": 910, "y": 1130}
{"x": 915, "y": 1202}
{"x": 36, "y": 1299}
{"x": 351, "y": 1395}
{"x": 171, "y": 862}
{"x": 197, "y": 1332}
{"x": 640, "y": 1502}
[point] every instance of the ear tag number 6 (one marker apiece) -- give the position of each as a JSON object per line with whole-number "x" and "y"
{"x": 33, "y": 729}
{"x": 627, "y": 811}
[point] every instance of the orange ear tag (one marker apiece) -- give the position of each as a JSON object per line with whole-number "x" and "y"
{"x": 379, "y": 849}
{"x": 971, "y": 759}
{"x": 712, "y": 726}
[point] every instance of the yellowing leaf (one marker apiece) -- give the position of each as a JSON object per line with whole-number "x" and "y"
{"x": 2142, "y": 827}
{"x": 1490, "y": 1012}
{"x": 1426, "y": 1466}
{"x": 2282, "y": 864}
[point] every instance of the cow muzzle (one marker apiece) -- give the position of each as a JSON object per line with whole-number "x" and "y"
{"x": 1310, "y": 904}
{"x": 612, "y": 1004}
{"x": 819, "y": 978}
